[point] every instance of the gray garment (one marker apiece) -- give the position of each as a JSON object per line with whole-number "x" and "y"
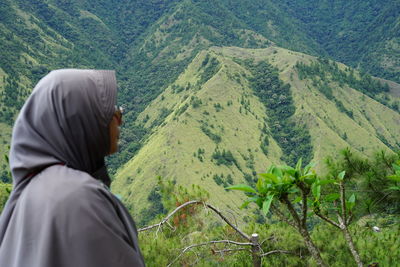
{"x": 60, "y": 212}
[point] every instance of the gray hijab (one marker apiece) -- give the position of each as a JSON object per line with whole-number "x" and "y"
{"x": 60, "y": 212}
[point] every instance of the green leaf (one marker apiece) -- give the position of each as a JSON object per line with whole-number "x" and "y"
{"x": 297, "y": 199}
{"x": 291, "y": 172}
{"x": 259, "y": 202}
{"x": 261, "y": 185}
{"x": 351, "y": 202}
{"x": 277, "y": 171}
{"x": 242, "y": 187}
{"x": 309, "y": 178}
{"x": 267, "y": 204}
{"x": 341, "y": 175}
{"x": 316, "y": 190}
{"x": 269, "y": 177}
{"x": 332, "y": 197}
{"x": 299, "y": 164}
{"x": 309, "y": 167}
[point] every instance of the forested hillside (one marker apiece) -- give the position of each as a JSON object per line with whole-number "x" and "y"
{"x": 363, "y": 34}
{"x": 234, "y": 111}
{"x": 150, "y": 43}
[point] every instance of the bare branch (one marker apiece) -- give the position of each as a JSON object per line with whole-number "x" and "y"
{"x": 327, "y": 220}
{"x": 233, "y": 216}
{"x": 227, "y": 221}
{"x": 343, "y": 201}
{"x": 169, "y": 216}
{"x": 208, "y": 243}
{"x": 195, "y": 202}
{"x": 349, "y": 219}
{"x": 229, "y": 250}
{"x": 279, "y": 251}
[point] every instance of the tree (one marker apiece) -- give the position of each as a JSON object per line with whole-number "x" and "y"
{"x": 342, "y": 208}
{"x": 286, "y": 186}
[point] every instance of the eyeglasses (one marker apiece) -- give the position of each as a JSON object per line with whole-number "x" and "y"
{"x": 119, "y": 110}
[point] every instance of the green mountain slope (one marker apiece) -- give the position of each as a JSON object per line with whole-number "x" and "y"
{"x": 210, "y": 127}
{"x": 363, "y": 34}
{"x": 150, "y": 43}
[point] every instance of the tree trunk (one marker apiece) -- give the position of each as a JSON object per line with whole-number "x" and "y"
{"x": 255, "y": 251}
{"x": 352, "y": 247}
{"x": 302, "y": 228}
{"x": 311, "y": 247}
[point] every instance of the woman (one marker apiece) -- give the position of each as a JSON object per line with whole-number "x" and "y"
{"x": 61, "y": 212}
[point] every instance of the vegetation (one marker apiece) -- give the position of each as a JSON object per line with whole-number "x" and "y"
{"x": 223, "y": 157}
{"x": 155, "y": 45}
{"x": 368, "y": 177}
{"x": 151, "y": 43}
{"x": 294, "y": 139}
{"x": 358, "y": 33}
{"x": 287, "y": 186}
{"x": 289, "y": 194}
{"x": 299, "y": 189}
{"x": 5, "y": 190}
{"x": 213, "y": 136}
{"x": 323, "y": 72}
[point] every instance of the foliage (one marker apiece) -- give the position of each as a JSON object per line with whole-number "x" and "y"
{"x": 361, "y": 34}
{"x": 294, "y": 139}
{"x": 287, "y": 186}
{"x": 224, "y": 157}
{"x": 368, "y": 178}
{"x": 5, "y": 190}
{"x": 374, "y": 247}
{"x": 213, "y": 136}
{"x": 211, "y": 67}
{"x": 323, "y": 71}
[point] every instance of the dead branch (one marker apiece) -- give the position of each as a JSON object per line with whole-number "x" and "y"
{"x": 195, "y": 202}
{"x": 229, "y": 250}
{"x": 227, "y": 221}
{"x": 163, "y": 221}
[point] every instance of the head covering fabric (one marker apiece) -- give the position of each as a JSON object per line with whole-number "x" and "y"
{"x": 60, "y": 212}
{"x": 64, "y": 120}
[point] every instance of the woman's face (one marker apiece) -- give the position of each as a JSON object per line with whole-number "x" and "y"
{"x": 114, "y": 131}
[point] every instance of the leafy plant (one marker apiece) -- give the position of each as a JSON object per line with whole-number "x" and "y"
{"x": 287, "y": 186}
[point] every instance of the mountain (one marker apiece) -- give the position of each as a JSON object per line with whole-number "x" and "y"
{"x": 362, "y": 34}
{"x": 150, "y": 43}
{"x": 230, "y": 114}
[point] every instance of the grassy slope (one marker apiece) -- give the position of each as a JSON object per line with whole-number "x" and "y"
{"x": 170, "y": 149}
{"x": 327, "y": 124}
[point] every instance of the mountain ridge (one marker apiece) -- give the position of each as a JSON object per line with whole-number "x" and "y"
{"x": 192, "y": 139}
